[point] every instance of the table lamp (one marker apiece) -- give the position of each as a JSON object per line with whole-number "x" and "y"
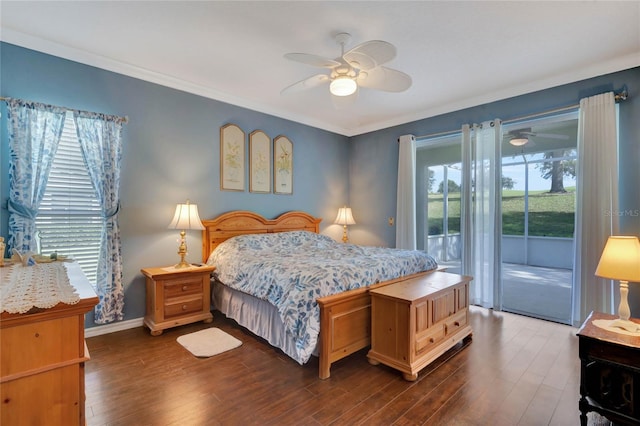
{"x": 620, "y": 260}
{"x": 344, "y": 218}
{"x": 185, "y": 217}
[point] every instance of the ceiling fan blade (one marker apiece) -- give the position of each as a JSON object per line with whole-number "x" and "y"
{"x": 370, "y": 54}
{"x": 551, "y": 136}
{"x": 340, "y": 102}
{"x": 313, "y": 60}
{"x": 385, "y": 79}
{"x": 307, "y": 83}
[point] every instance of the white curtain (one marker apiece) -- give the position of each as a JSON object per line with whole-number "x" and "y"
{"x": 466, "y": 206}
{"x": 481, "y": 211}
{"x": 596, "y": 202}
{"x": 406, "y": 200}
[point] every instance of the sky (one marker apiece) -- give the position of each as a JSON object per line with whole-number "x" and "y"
{"x": 536, "y": 181}
{"x": 515, "y": 172}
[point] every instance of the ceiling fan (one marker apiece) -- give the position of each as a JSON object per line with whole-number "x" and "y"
{"x": 524, "y": 136}
{"x": 361, "y": 66}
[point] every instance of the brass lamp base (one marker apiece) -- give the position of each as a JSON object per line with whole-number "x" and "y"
{"x": 182, "y": 251}
{"x": 182, "y": 264}
{"x": 344, "y": 234}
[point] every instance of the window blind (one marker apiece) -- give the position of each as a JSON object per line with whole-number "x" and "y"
{"x": 69, "y": 219}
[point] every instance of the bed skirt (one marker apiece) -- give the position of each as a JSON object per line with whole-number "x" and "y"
{"x": 258, "y": 316}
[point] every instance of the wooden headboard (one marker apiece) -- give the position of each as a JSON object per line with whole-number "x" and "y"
{"x": 242, "y": 222}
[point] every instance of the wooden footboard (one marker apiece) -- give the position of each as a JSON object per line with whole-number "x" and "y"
{"x": 345, "y": 324}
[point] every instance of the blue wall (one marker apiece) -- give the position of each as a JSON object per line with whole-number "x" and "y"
{"x": 171, "y": 153}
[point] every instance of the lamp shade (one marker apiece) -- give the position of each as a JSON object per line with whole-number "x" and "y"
{"x": 343, "y": 86}
{"x": 620, "y": 259}
{"x": 186, "y": 217}
{"x": 345, "y": 217}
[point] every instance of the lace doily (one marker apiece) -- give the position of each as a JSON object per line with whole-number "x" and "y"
{"x": 43, "y": 285}
{"x": 606, "y": 325}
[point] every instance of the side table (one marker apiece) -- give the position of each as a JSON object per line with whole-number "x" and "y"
{"x": 177, "y": 296}
{"x": 609, "y": 373}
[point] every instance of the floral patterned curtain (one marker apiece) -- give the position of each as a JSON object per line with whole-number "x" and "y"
{"x": 34, "y": 133}
{"x": 100, "y": 139}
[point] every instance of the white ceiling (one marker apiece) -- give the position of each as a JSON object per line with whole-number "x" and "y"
{"x": 459, "y": 54}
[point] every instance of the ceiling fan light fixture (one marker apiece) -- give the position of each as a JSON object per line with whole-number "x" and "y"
{"x": 519, "y": 141}
{"x": 343, "y": 86}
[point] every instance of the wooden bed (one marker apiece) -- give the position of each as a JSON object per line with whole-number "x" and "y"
{"x": 345, "y": 318}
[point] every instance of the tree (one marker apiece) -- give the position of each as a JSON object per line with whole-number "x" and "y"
{"x": 556, "y": 170}
{"x": 451, "y": 187}
{"x": 507, "y": 182}
{"x": 431, "y": 181}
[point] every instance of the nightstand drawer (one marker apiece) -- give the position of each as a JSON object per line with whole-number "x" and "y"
{"x": 179, "y": 308}
{"x": 178, "y": 288}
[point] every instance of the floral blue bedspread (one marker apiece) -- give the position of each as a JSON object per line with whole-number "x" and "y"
{"x": 291, "y": 270}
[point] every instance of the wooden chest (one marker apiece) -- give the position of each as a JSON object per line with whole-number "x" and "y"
{"x": 415, "y": 321}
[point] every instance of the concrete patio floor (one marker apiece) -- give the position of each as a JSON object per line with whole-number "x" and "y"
{"x": 534, "y": 291}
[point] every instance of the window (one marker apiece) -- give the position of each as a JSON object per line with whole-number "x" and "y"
{"x": 69, "y": 219}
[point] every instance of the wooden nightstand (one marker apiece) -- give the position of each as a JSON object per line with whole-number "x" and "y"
{"x": 177, "y": 297}
{"x": 610, "y": 372}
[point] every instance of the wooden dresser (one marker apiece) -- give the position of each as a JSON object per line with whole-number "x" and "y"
{"x": 177, "y": 296}
{"x": 42, "y": 356}
{"x": 610, "y": 372}
{"x": 415, "y": 321}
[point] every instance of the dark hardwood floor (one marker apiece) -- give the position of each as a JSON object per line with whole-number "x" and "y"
{"x": 515, "y": 371}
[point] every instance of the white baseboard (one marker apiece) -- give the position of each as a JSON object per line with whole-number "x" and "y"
{"x": 99, "y": 330}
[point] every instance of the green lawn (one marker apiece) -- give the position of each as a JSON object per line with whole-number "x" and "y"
{"x": 550, "y": 215}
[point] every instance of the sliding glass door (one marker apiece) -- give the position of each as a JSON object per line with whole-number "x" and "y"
{"x": 439, "y": 180}
{"x": 538, "y": 214}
